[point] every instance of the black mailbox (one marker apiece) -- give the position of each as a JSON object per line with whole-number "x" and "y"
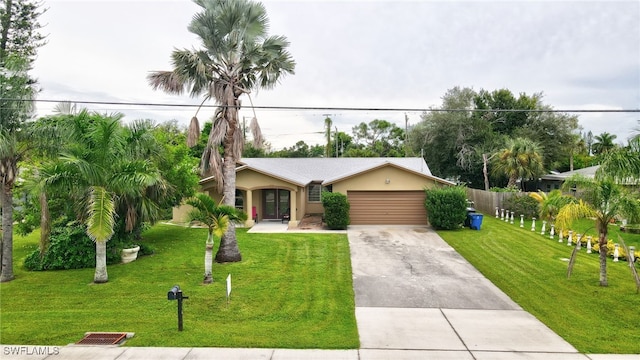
{"x": 176, "y": 294}
{"x": 173, "y": 293}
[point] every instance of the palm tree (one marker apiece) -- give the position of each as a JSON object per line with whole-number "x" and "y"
{"x": 600, "y": 198}
{"x": 238, "y": 57}
{"x": 217, "y": 219}
{"x": 550, "y": 204}
{"x": 604, "y": 143}
{"x": 623, "y": 163}
{"x": 14, "y": 145}
{"x": 520, "y": 159}
{"x": 103, "y": 178}
{"x": 327, "y": 123}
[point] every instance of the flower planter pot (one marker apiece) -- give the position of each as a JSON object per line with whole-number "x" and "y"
{"x": 128, "y": 255}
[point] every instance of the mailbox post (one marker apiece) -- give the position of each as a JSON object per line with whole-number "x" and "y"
{"x": 176, "y": 294}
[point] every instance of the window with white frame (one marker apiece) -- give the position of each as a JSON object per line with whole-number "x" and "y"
{"x": 313, "y": 192}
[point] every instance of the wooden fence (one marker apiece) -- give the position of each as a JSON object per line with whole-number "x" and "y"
{"x": 487, "y": 201}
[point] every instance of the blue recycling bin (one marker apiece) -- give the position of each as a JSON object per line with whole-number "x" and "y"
{"x": 476, "y": 221}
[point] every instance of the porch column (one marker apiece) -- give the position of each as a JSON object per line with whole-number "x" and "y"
{"x": 249, "y": 201}
{"x": 293, "y": 210}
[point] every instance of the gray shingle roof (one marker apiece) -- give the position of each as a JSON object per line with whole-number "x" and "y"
{"x": 589, "y": 172}
{"x": 303, "y": 171}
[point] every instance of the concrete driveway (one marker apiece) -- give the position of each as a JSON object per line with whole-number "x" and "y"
{"x": 414, "y": 293}
{"x": 412, "y": 267}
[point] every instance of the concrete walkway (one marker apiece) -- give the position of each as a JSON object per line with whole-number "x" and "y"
{"x": 416, "y": 298}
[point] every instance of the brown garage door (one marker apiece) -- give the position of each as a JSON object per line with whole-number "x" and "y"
{"x": 387, "y": 207}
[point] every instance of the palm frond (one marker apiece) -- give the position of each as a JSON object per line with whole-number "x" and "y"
{"x": 65, "y": 108}
{"x": 202, "y": 202}
{"x": 192, "y": 69}
{"x": 573, "y": 211}
{"x": 220, "y": 225}
{"x": 539, "y": 196}
{"x": 167, "y": 81}
{"x": 622, "y": 164}
{"x": 100, "y": 214}
{"x": 256, "y": 133}
{"x": 193, "y": 134}
{"x": 235, "y": 215}
{"x": 238, "y": 143}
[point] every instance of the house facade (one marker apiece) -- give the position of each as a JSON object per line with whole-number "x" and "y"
{"x": 380, "y": 190}
{"x": 554, "y": 181}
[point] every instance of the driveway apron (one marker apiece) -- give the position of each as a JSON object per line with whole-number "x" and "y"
{"x": 415, "y": 292}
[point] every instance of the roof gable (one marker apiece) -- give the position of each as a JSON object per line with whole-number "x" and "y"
{"x": 303, "y": 171}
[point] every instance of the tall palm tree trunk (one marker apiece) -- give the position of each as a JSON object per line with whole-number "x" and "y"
{"x": 602, "y": 242}
{"x": 100, "y": 275}
{"x": 228, "y": 250}
{"x": 208, "y": 260}
{"x": 7, "y": 232}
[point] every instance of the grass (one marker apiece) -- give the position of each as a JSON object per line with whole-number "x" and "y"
{"x": 531, "y": 269}
{"x": 290, "y": 291}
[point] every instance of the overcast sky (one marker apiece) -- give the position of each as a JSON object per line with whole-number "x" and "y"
{"x": 364, "y": 54}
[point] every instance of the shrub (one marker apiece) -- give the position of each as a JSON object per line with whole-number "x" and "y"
{"x": 71, "y": 248}
{"x": 522, "y": 204}
{"x": 336, "y": 210}
{"x": 446, "y": 207}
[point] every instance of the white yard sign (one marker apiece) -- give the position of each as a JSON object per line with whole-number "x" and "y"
{"x": 228, "y": 286}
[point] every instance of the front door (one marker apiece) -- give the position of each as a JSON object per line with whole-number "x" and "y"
{"x": 275, "y": 203}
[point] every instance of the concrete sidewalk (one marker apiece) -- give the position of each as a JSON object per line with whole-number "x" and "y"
{"x": 76, "y": 352}
{"x": 416, "y": 298}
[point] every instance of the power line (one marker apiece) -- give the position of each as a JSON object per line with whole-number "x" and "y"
{"x": 328, "y": 108}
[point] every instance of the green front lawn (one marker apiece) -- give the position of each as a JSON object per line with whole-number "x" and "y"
{"x": 290, "y": 291}
{"x": 531, "y": 269}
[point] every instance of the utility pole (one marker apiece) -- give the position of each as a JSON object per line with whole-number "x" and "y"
{"x": 327, "y": 123}
{"x": 336, "y": 141}
{"x": 406, "y": 135}
{"x": 244, "y": 129}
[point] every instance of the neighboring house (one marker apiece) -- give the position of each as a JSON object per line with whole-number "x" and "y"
{"x": 380, "y": 190}
{"x": 555, "y": 180}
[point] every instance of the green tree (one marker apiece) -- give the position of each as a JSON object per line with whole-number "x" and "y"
{"x": 555, "y": 134}
{"x": 237, "y": 57}
{"x": 549, "y": 205}
{"x": 449, "y": 140}
{"x": 520, "y": 159}
{"x": 507, "y": 122}
{"x": 602, "y": 199}
{"x": 174, "y": 161}
{"x": 378, "y": 138}
{"x": 107, "y": 172}
{"x": 19, "y": 40}
{"x": 603, "y": 143}
{"x": 342, "y": 146}
{"x": 217, "y": 219}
